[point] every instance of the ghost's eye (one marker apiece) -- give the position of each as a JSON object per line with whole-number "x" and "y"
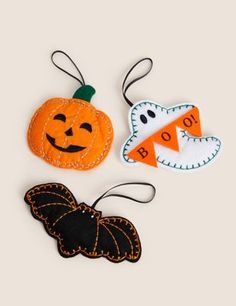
{"x": 143, "y": 118}
{"x": 151, "y": 113}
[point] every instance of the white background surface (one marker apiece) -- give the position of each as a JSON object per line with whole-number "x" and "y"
{"x": 188, "y": 233}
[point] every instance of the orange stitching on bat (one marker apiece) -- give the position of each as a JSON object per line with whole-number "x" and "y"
{"x": 97, "y": 234}
{"x": 62, "y": 187}
{"x": 123, "y": 232}
{"x": 53, "y": 204}
{"x": 68, "y": 212}
{"x": 54, "y": 193}
{"x": 114, "y": 239}
{"x": 130, "y": 242}
{"x": 79, "y": 249}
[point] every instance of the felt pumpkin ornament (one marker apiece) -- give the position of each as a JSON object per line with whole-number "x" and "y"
{"x": 71, "y": 133}
{"x": 80, "y": 228}
{"x": 167, "y": 137}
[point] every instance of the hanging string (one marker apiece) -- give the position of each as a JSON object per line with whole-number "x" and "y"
{"x": 107, "y": 194}
{"x": 125, "y": 86}
{"x": 81, "y": 81}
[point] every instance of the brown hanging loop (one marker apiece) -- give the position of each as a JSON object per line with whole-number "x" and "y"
{"x": 82, "y": 82}
{"x": 126, "y": 87}
{"x": 107, "y": 194}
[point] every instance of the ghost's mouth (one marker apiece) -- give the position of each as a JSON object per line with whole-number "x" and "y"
{"x": 69, "y": 149}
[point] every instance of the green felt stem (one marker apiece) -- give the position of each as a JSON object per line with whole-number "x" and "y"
{"x": 85, "y": 93}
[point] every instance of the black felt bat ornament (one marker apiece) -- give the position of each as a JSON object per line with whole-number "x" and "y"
{"x": 80, "y": 228}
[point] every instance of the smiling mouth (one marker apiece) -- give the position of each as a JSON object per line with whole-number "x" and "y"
{"x": 69, "y": 149}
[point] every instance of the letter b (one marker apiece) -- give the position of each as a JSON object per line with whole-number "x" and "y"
{"x": 143, "y": 152}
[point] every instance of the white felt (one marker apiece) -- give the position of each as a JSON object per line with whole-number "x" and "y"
{"x": 194, "y": 152}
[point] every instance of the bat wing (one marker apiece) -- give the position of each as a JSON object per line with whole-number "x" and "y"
{"x": 115, "y": 238}
{"x": 118, "y": 240}
{"x": 50, "y": 202}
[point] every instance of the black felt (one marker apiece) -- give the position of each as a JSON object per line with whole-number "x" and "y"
{"x": 79, "y": 228}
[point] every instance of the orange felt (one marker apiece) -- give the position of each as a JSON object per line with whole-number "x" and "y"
{"x": 96, "y": 143}
{"x": 167, "y": 136}
{"x": 144, "y": 153}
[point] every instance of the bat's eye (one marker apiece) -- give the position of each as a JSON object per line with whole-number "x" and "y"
{"x": 151, "y": 113}
{"x": 86, "y": 126}
{"x": 143, "y": 118}
{"x": 60, "y": 117}
{"x": 92, "y": 216}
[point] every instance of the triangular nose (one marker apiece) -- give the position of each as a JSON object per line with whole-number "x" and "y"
{"x": 69, "y": 132}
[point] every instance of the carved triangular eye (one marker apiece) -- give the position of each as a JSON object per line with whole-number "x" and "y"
{"x": 60, "y": 117}
{"x": 86, "y": 126}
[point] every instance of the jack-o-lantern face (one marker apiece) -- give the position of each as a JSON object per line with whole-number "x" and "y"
{"x": 70, "y": 133}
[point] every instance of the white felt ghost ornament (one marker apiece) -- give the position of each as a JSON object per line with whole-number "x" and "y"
{"x": 166, "y": 137}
